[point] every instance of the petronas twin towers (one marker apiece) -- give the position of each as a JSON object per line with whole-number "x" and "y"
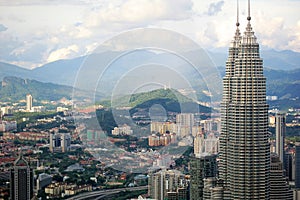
{"x": 244, "y": 164}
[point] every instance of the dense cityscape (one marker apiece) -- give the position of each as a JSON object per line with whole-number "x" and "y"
{"x": 70, "y": 148}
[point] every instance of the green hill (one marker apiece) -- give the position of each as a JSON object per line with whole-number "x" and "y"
{"x": 139, "y": 98}
{"x": 14, "y": 89}
{"x": 170, "y": 99}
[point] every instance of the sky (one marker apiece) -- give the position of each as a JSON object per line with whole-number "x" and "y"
{"x": 35, "y": 32}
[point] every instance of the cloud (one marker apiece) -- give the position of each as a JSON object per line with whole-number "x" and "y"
{"x": 139, "y": 12}
{"x": 278, "y": 34}
{"x": 2, "y": 28}
{"x": 215, "y": 8}
{"x": 63, "y": 53}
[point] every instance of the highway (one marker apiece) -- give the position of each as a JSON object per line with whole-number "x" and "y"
{"x": 98, "y": 195}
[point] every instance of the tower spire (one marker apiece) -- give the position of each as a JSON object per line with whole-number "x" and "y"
{"x": 237, "y": 13}
{"x": 249, "y": 17}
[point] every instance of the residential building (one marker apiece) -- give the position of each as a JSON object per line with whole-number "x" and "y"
{"x": 28, "y": 102}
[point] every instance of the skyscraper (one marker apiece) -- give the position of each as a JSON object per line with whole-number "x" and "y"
{"x": 167, "y": 181}
{"x": 201, "y": 167}
{"x": 280, "y": 135}
{"x": 244, "y": 145}
{"x": 28, "y": 102}
{"x": 21, "y": 180}
{"x": 279, "y": 187}
{"x": 297, "y": 165}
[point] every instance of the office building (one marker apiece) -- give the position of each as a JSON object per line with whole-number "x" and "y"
{"x": 166, "y": 184}
{"x": 201, "y": 167}
{"x": 21, "y": 180}
{"x": 279, "y": 187}
{"x": 59, "y": 142}
{"x": 288, "y": 166}
{"x": 280, "y": 129}
{"x": 244, "y": 142}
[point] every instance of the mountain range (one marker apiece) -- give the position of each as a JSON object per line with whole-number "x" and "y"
{"x": 100, "y": 73}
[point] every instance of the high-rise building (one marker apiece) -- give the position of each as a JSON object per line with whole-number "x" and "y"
{"x": 244, "y": 143}
{"x": 166, "y": 184}
{"x": 21, "y": 180}
{"x": 288, "y": 166}
{"x": 208, "y": 145}
{"x": 28, "y": 102}
{"x": 59, "y": 142}
{"x": 279, "y": 188}
{"x": 201, "y": 167}
{"x": 297, "y": 165}
{"x": 185, "y": 123}
{"x": 280, "y": 135}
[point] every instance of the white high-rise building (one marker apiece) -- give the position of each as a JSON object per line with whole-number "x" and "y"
{"x": 185, "y": 123}
{"x": 28, "y": 102}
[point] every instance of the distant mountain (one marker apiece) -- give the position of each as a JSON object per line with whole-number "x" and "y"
{"x": 65, "y": 71}
{"x": 277, "y": 60}
{"x": 284, "y": 84}
{"x": 102, "y": 72}
{"x": 60, "y": 72}
{"x": 281, "y": 83}
{"x": 281, "y": 60}
{"x": 13, "y": 70}
{"x": 14, "y": 89}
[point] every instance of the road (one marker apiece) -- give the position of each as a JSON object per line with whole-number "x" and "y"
{"x": 98, "y": 195}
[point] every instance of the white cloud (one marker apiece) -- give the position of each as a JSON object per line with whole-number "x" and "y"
{"x": 215, "y": 8}
{"x": 42, "y": 31}
{"x": 63, "y": 53}
{"x": 139, "y": 12}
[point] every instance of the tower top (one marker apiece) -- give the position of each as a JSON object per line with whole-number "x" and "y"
{"x": 237, "y": 13}
{"x": 249, "y": 17}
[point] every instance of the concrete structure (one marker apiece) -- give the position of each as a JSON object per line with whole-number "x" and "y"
{"x": 201, "y": 168}
{"x": 296, "y": 194}
{"x": 21, "y": 180}
{"x": 43, "y": 180}
{"x": 244, "y": 140}
{"x": 166, "y": 182}
{"x": 185, "y": 123}
{"x": 279, "y": 187}
{"x": 8, "y": 125}
{"x": 122, "y": 130}
{"x": 280, "y": 129}
{"x": 59, "y": 142}
{"x": 211, "y": 125}
{"x": 28, "y": 102}
{"x": 209, "y": 145}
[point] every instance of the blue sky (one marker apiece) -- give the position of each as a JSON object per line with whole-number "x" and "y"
{"x": 35, "y": 32}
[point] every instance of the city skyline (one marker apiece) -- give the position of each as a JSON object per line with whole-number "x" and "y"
{"x": 34, "y": 33}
